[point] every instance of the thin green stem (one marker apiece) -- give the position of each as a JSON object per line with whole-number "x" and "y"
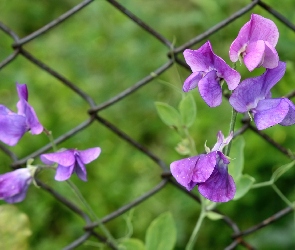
{"x": 231, "y": 130}
{"x": 193, "y": 238}
{"x": 77, "y": 192}
{"x": 262, "y": 184}
{"x": 281, "y": 195}
{"x": 51, "y": 139}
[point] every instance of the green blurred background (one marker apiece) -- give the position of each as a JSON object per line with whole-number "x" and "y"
{"x": 103, "y": 53}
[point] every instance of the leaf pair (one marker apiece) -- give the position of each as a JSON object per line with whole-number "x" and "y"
{"x": 161, "y": 234}
{"x": 184, "y": 116}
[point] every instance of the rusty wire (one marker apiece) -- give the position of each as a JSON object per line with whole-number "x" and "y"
{"x": 94, "y": 116}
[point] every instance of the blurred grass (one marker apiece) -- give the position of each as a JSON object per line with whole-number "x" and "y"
{"x": 103, "y": 52}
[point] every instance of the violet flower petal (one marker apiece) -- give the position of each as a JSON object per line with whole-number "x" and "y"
{"x": 250, "y": 91}
{"x": 231, "y": 76}
{"x": 271, "y": 57}
{"x": 290, "y": 117}
{"x": 12, "y": 128}
{"x": 5, "y": 111}
{"x": 254, "y": 55}
{"x": 204, "y": 167}
{"x": 80, "y": 169}
{"x": 238, "y": 46}
{"x": 64, "y": 158}
{"x": 22, "y": 91}
{"x": 183, "y": 170}
{"x": 270, "y": 112}
{"x": 263, "y": 29}
{"x": 89, "y": 155}
{"x": 220, "y": 186}
{"x": 210, "y": 89}
{"x": 14, "y": 185}
{"x": 18, "y": 197}
{"x": 32, "y": 121}
{"x": 201, "y": 59}
{"x": 258, "y": 28}
{"x": 192, "y": 81}
{"x": 64, "y": 172}
{"x": 221, "y": 141}
{"x": 26, "y": 110}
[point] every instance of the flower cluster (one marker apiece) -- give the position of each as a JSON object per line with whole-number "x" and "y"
{"x": 208, "y": 171}
{"x": 14, "y": 185}
{"x": 14, "y": 125}
{"x": 70, "y": 161}
{"x": 255, "y": 46}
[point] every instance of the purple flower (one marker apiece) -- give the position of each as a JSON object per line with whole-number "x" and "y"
{"x": 253, "y": 95}
{"x": 12, "y": 125}
{"x": 24, "y": 109}
{"x": 208, "y": 171}
{"x": 14, "y": 185}
{"x": 70, "y": 161}
{"x": 208, "y": 72}
{"x": 256, "y": 43}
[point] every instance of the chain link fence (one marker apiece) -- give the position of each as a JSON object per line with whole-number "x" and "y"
{"x": 238, "y": 236}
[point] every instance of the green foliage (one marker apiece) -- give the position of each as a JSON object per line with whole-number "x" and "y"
{"x": 213, "y": 215}
{"x": 243, "y": 184}
{"x": 131, "y": 244}
{"x": 281, "y": 170}
{"x": 103, "y": 52}
{"x": 236, "y": 165}
{"x": 161, "y": 234}
{"x": 14, "y": 228}
{"x": 168, "y": 114}
{"x": 188, "y": 111}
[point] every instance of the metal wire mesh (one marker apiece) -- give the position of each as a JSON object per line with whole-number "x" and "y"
{"x": 94, "y": 116}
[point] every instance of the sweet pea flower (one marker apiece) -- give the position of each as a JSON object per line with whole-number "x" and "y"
{"x": 209, "y": 70}
{"x": 208, "y": 171}
{"x": 255, "y": 44}
{"x": 14, "y": 185}
{"x": 14, "y": 125}
{"x": 70, "y": 161}
{"x": 253, "y": 95}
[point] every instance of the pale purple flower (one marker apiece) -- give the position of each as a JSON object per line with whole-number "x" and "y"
{"x": 255, "y": 44}
{"x": 253, "y": 95}
{"x": 208, "y": 72}
{"x": 14, "y": 125}
{"x": 70, "y": 161}
{"x": 14, "y": 185}
{"x": 208, "y": 171}
{"x": 24, "y": 109}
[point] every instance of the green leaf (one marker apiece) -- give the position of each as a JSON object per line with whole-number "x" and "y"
{"x": 188, "y": 110}
{"x": 214, "y": 216}
{"x": 243, "y": 185}
{"x": 168, "y": 114}
{"x": 131, "y": 244}
{"x": 281, "y": 170}
{"x": 235, "y": 168}
{"x": 14, "y": 228}
{"x": 161, "y": 234}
